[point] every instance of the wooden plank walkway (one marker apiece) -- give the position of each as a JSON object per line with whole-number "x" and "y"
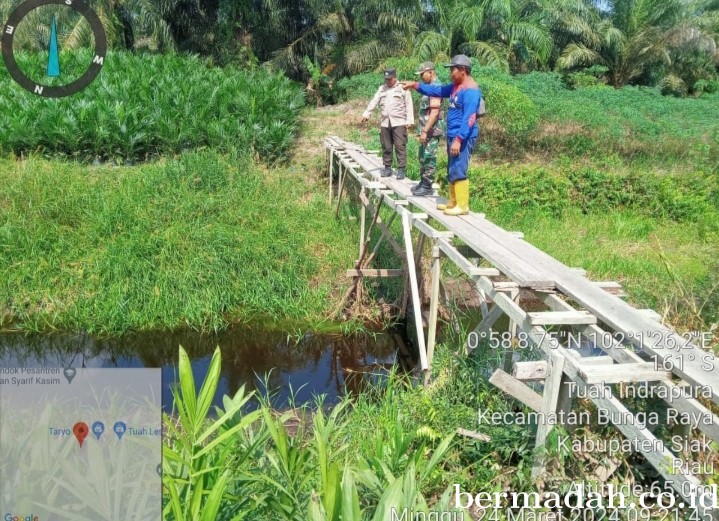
{"x": 665, "y": 361}
{"x": 530, "y": 267}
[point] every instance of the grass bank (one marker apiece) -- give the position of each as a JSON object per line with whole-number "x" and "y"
{"x": 201, "y": 240}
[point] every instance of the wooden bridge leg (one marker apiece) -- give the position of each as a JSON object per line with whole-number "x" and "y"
{"x": 331, "y": 172}
{"x": 363, "y": 216}
{"x": 433, "y": 307}
{"x": 555, "y": 396}
{"x": 340, "y": 189}
{"x": 414, "y": 288}
{"x": 509, "y": 353}
{"x": 486, "y": 325}
{"x": 482, "y": 302}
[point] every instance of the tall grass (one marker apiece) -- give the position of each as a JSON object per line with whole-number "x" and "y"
{"x": 251, "y": 466}
{"x": 143, "y": 106}
{"x": 199, "y": 241}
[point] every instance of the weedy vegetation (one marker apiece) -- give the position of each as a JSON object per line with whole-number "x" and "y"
{"x": 236, "y": 464}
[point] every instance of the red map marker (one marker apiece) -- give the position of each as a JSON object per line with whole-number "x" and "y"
{"x": 80, "y": 429}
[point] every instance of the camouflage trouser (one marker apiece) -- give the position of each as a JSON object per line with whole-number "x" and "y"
{"x": 428, "y": 159}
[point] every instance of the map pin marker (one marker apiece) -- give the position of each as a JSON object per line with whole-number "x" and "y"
{"x": 119, "y": 429}
{"x": 98, "y": 428}
{"x": 69, "y": 374}
{"x": 80, "y": 430}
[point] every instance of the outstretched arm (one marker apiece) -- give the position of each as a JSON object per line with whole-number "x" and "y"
{"x": 436, "y": 91}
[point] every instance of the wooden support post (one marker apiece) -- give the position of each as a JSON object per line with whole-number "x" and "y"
{"x": 331, "y": 172}
{"x": 339, "y": 191}
{"x": 550, "y": 399}
{"x": 418, "y": 264}
{"x": 509, "y": 353}
{"x": 516, "y": 389}
{"x": 363, "y": 216}
{"x": 414, "y": 288}
{"x": 433, "y": 307}
{"x": 483, "y": 302}
{"x": 360, "y": 261}
{"x": 485, "y": 326}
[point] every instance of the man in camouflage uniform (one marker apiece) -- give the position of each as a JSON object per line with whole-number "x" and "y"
{"x": 430, "y": 129}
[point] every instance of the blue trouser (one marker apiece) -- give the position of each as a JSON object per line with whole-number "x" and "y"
{"x": 458, "y": 166}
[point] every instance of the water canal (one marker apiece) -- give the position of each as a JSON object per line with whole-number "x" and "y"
{"x": 304, "y": 367}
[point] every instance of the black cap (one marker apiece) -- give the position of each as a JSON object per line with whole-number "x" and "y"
{"x": 390, "y": 73}
{"x": 460, "y": 60}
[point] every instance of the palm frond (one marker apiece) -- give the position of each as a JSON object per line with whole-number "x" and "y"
{"x": 78, "y": 36}
{"x": 578, "y": 55}
{"x": 488, "y": 54}
{"x": 429, "y": 44}
{"x": 534, "y": 37}
{"x": 366, "y": 55}
{"x": 500, "y": 9}
{"x": 467, "y": 20}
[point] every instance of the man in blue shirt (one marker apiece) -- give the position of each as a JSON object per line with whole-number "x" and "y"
{"x": 462, "y": 128}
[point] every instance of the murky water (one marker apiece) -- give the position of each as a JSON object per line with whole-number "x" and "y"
{"x": 288, "y": 367}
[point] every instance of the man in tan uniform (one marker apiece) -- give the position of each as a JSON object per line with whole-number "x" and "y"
{"x": 397, "y": 116}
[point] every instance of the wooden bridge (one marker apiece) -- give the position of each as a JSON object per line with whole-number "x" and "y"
{"x": 636, "y": 348}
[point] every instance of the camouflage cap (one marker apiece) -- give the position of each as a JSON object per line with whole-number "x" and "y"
{"x": 426, "y": 66}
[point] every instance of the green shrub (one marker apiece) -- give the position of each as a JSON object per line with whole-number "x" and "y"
{"x": 143, "y": 106}
{"x": 673, "y": 85}
{"x": 512, "y": 109}
{"x": 533, "y": 188}
{"x": 589, "y": 77}
{"x": 706, "y": 87}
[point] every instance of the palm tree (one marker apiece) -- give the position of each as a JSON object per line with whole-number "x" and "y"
{"x": 124, "y": 22}
{"x": 352, "y": 36}
{"x": 636, "y": 35}
{"x": 508, "y": 34}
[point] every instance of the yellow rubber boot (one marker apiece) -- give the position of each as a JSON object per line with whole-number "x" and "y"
{"x": 461, "y": 190}
{"x": 452, "y": 199}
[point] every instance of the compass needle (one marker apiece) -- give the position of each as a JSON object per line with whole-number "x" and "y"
{"x": 53, "y": 60}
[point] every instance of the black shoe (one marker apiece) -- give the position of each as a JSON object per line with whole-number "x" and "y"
{"x": 386, "y": 172}
{"x": 420, "y": 185}
{"x": 423, "y": 189}
{"x": 400, "y": 173}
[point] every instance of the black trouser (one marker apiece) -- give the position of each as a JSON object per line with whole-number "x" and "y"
{"x": 394, "y": 137}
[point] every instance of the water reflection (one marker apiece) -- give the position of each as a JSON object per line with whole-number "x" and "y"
{"x": 306, "y": 367}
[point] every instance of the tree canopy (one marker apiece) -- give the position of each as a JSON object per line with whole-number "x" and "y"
{"x": 671, "y": 43}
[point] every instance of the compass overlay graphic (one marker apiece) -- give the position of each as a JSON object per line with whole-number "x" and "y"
{"x": 53, "y": 64}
